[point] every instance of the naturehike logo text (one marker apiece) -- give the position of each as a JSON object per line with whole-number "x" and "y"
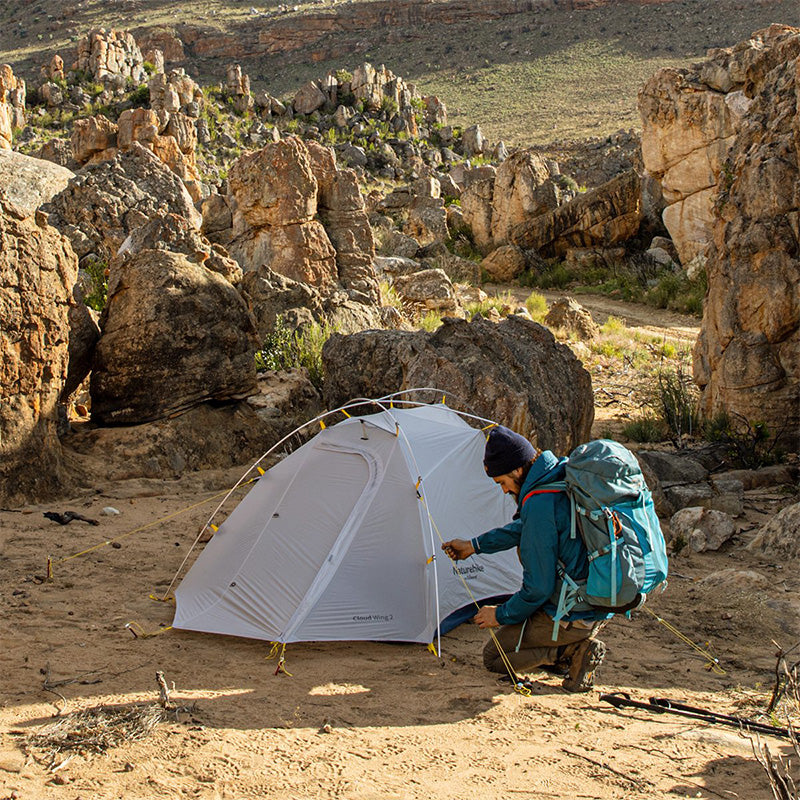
{"x": 373, "y": 617}
{"x": 470, "y": 571}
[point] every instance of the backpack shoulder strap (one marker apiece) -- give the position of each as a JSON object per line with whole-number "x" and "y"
{"x": 545, "y": 488}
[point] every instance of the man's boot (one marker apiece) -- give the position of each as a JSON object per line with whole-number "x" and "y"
{"x": 586, "y": 659}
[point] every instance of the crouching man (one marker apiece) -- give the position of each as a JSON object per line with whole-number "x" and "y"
{"x": 541, "y": 532}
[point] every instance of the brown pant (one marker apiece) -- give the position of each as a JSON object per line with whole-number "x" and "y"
{"x": 530, "y": 644}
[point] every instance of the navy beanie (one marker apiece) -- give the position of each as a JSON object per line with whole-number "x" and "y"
{"x": 505, "y": 451}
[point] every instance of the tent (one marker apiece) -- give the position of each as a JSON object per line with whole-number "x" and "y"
{"x": 341, "y": 540}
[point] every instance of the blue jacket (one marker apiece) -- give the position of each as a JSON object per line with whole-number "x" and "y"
{"x": 541, "y": 532}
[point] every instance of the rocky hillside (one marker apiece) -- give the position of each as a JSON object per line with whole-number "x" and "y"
{"x": 528, "y": 72}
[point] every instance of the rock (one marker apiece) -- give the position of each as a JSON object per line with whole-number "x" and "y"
{"x": 53, "y": 70}
{"x": 504, "y": 264}
{"x": 108, "y": 54}
{"x": 153, "y": 358}
{"x": 92, "y": 135}
{"x": 725, "y": 581}
{"x": 459, "y": 270}
{"x": 309, "y": 98}
{"x": 691, "y": 119}
{"x": 217, "y": 216}
{"x": 745, "y": 359}
{"x": 58, "y": 151}
{"x": 281, "y": 392}
{"x": 396, "y": 265}
{"x": 569, "y": 315}
{"x": 352, "y": 155}
{"x": 12, "y": 105}
{"x": 776, "y": 475}
{"x": 402, "y": 245}
{"x": 236, "y": 82}
{"x": 520, "y": 191}
{"x": 28, "y": 182}
{"x": 204, "y": 437}
{"x": 680, "y": 496}
{"x": 601, "y": 217}
{"x": 779, "y": 538}
{"x": 37, "y": 272}
{"x": 173, "y": 91}
{"x": 472, "y": 141}
{"x": 428, "y": 289}
{"x": 513, "y": 372}
{"x": 701, "y": 528}
{"x": 427, "y": 220}
{"x": 274, "y": 186}
{"x": 51, "y": 94}
{"x": 84, "y": 332}
{"x": 101, "y": 206}
{"x": 272, "y": 296}
{"x": 476, "y": 205}
{"x": 175, "y": 234}
{"x": 673, "y": 468}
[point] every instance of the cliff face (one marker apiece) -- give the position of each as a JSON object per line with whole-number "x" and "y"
{"x": 747, "y": 359}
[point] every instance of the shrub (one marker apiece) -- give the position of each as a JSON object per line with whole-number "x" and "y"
{"x": 284, "y": 349}
{"x": 676, "y": 399}
{"x": 97, "y": 297}
{"x": 537, "y": 306}
{"x": 613, "y": 325}
{"x": 431, "y": 321}
{"x": 749, "y": 443}
{"x": 647, "y": 428}
{"x": 140, "y": 97}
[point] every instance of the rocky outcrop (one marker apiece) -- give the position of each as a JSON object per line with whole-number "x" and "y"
{"x": 504, "y": 264}
{"x": 30, "y": 182}
{"x": 569, "y": 315}
{"x": 779, "y": 538}
{"x": 341, "y": 209}
{"x": 106, "y": 202}
{"x": 174, "y": 335}
{"x": 37, "y": 272}
{"x": 175, "y": 91}
{"x": 113, "y": 54}
{"x": 12, "y": 105}
{"x": 702, "y": 529}
{"x": 601, "y": 217}
{"x": 93, "y": 139}
{"x": 427, "y": 290}
{"x": 522, "y": 189}
{"x": 746, "y": 358}
{"x": 690, "y": 120}
{"x": 278, "y": 196}
{"x": 513, "y": 372}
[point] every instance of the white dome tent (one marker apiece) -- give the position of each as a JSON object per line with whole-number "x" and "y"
{"x": 341, "y": 540}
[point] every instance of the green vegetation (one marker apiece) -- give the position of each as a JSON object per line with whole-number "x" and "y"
{"x": 97, "y": 297}
{"x": 749, "y": 442}
{"x": 647, "y": 428}
{"x": 286, "y": 349}
{"x": 431, "y": 321}
{"x": 537, "y": 306}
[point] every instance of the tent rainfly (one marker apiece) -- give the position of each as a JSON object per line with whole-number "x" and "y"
{"x": 341, "y": 540}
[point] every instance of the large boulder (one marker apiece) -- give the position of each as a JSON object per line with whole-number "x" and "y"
{"x": 702, "y": 528}
{"x": 520, "y": 192}
{"x": 174, "y": 334}
{"x": 102, "y": 205}
{"x": 779, "y": 538}
{"x": 601, "y": 217}
{"x": 690, "y": 120}
{"x": 569, "y": 315}
{"x": 28, "y": 182}
{"x": 476, "y": 206}
{"x": 746, "y": 357}
{"x": 513, "y": 372}
{"x": 37, "y": 273}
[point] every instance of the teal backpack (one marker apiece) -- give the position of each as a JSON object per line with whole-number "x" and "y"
{"x": 613, "y": 511}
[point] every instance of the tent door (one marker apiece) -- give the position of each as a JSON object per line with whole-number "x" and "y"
{"x": 346, "y": 534}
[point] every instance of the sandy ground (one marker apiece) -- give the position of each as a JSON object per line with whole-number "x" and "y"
{"x": 357, "y": 720}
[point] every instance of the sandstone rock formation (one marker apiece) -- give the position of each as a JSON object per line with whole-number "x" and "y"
{"x": 12, "y": 105}
{"x": 37, "y": 272}
{"x": 690, "y": 120}
{"x": 504, "y": 264}
{"x": 601, "y": 217}
{"x": 568, "y": 314}
{"x": 513, "y": 372}
{"x": 746, "y": 358}
{"x": 109, "y": 54}
{"x": 107, "y": 201}
{"x": 276, "y": 195}
{"x": 174, "y": 91}
{"x": 779, "y": 538}
{"x": 174, "y": 335}
{"x": 30, "y": 182}
{"x": 427, "y": 290}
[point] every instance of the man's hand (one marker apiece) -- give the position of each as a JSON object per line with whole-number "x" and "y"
{"x": 458, "y": 549}
{"x": 486, "y": 617}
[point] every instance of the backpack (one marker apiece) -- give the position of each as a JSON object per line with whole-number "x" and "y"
{"x": 613, "y": 511}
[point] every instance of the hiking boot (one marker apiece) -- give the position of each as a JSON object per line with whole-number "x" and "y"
{"x": 586, "y": 659}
